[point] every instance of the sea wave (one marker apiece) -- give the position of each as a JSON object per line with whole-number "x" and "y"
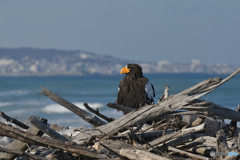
{"x": 20, "y": 111}
{"x": 14, "y": 93}
{"x": 23, "y": 103}
{"x": 56, "y": 108}
{"x": 4, "y": 104}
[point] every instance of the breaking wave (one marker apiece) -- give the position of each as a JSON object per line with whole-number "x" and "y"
{"x": 56, "y": 108}
{"x": 14, "y": 93}
{"x": 4, "y": 104}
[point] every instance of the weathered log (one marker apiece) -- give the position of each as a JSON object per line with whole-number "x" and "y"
{"x": 122, "y": 108}
{"x": 234, "y": 153}
{"x": 212, "y": 125}
{"x": 133, "y": 139}
{"x": 187, "y": 153}
{"x": 111, "y": 154}
{"x": 174, "y": 122}
{"x": 142, "y": 130}
{"x": 233, "y": 125}
{"x": 14, "y": 121}
{"x": 222, "y": 146}
{"x": 16, "y": 144}
{"x": 21, "y": 153}
{"x": 45, "y": 129}
{"x": 147, "y": 113}
{"x": 98, "y": 113}
{"x": 146, "y": 135}
{"x": 239, "y": 140}
{"x": 118, "y": 147}
{"x": 82, "y": 151}
{"x": 173, "y": 135}
{"x": 207, "y": 147}
{"x": 114, "y": 146}
{"x": 210, "y": 109}
{"x": 198, "y": 121}
{"x": 95, "y": 121}
{"x": 177, "y": 142}
{"x": 203, "y": 150}
{"x": 141, "y": 155}
{"x": 195, "y": 143}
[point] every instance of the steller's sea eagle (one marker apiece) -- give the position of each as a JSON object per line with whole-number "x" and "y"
{"x": 135, "y": 90}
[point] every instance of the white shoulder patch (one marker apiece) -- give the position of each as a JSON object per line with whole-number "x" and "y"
{"x": 149, "y": 91}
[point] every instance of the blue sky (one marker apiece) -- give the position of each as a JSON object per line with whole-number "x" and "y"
{"x": 154, "y": 30}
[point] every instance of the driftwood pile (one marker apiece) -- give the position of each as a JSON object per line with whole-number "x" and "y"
{"x": 179, "y": 126}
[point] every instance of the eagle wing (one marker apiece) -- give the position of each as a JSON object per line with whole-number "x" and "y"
{"x": 150, "y": 92}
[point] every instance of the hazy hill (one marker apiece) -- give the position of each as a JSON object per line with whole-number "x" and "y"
{"x": 31, "y": 61}
{"x": 24, "y": 61}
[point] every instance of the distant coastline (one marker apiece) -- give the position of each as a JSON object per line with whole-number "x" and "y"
{"x": 53, "y": 62}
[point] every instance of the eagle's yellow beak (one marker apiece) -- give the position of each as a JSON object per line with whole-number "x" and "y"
{"x": 124, "y": 70}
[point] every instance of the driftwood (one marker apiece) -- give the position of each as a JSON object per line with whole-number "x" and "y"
{"x": 122, "y": 108}
{"x": 169, "y": 136}
{"x": 36, "y": 140}
{"x": 16, "y": 144}
{"x": 98, "y": 113}
{"x": 187, "y": 153}
{"x": 203, "y": 150}
{"x": 233, "y": 124}
{"x": 38, "y": 124}
{"x": 21, "y": 153}
{"x": 13, "y": 120}
{"x": 95, "y": 121}
{"x": 212, "y": 125}
{"x": 192, "y": 144}
{"x": 140, "y": 155}
{"x": 173, "y": 135}
{"x": 177, "y": 142}
{"x": 222, "y": 146}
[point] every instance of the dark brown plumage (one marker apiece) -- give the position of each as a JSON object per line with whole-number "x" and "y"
{"x": 135, "y": 90}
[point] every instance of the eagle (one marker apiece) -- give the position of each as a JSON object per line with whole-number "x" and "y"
{"x": 135, "y": 90}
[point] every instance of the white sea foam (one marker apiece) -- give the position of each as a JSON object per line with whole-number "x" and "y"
{"x": 30, "y": 102}
{"x": 5, "y": 104}
{"x": 23, "y": 103}
{"x": 56, "y": 108}
{"x": 20, "y": 111}
{"x": 66, "y": 120}
{"x": 14, "y": 93}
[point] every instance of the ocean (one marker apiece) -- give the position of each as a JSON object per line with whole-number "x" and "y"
{"x": 20, "y": 98}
